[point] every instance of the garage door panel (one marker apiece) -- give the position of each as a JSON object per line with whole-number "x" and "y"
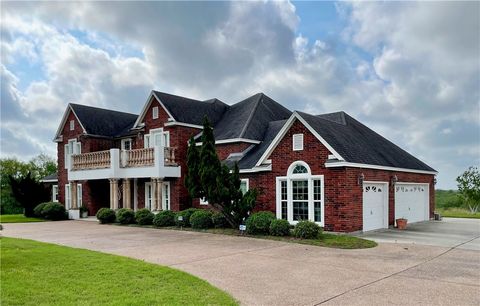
{"x": 411, "y": 202}
{"x": 375, "y": 208}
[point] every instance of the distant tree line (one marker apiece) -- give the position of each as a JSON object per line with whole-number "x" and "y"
{"x": 20, "y": 189}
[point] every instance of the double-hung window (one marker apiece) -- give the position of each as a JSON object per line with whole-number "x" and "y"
{"x": 300, "y": 195}
{"x": 72, "y": 147}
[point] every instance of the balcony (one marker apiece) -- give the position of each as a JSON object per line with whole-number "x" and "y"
{"x": 114, "y": 163}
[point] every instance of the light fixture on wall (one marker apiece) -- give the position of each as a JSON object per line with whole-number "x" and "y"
{"x": 394, "y": 180}
{"x": 435, "y": 181}
{"x": 360, "y": 179}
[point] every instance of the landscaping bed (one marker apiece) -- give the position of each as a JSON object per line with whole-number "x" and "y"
{"x": 261, "y": 225}
{"x": 36, "y": 273}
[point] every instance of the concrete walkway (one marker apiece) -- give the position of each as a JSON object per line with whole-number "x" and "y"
{"x": 262, "y": 272}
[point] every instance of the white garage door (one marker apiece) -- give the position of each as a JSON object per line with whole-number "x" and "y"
{"x": 411, "y": 202}
{"x": 375, "y": 206}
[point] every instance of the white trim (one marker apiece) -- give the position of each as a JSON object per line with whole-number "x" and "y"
{"x": 54, "y": 194}
{"x": 165, "y": 196}
{"x": 285, "y": 129}
{"x": 58, "y": 137}
{"x": 174, "y": 123}
{"x": 145, "y": 108}
{"x": 79, "y": 195}
{"x": 385, "y": 203}
{"x": 68, "y": 199}
{"x": 49, "y": 181}
{"x": 311, "y": 203}
{"x": 296, "y": 163}
{"x": 147, "y": 198}
{"x": 233, "y": 140}
{"x": 247, "y": 183}
{"x": 356, "y": 165}
{"x": 256, "y": 169}
{"x": 299, "y": 139}
{"x": 123, "y": 141}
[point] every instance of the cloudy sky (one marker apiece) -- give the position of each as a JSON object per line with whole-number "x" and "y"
{"x": 408, "y": 70}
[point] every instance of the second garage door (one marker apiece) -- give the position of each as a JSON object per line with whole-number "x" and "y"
{"x": 411, "y": 202}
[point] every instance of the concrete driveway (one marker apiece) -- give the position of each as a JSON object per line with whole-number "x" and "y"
{"x": 450, "y": 232}
{"x": 262, "y": 272}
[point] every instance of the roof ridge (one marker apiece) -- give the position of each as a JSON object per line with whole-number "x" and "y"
{"x": 100, "y": 108}
{"x": 341, "y": 113}
{"x": 254, "y": 109}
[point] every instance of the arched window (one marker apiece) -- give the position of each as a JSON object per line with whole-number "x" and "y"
{"x": 300, "y": 194}
{"x": 299, "y": 169}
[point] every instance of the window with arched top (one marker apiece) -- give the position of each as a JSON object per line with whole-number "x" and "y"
{"x": 300, "y": 195}
{"x": 299, "y": 169}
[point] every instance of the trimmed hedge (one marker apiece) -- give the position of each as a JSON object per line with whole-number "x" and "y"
{"x": 259, "y": 223}
{"x": 144, "y": 217}
{"x": 54, "y": 211}
{"x": 201, "y": 219}
{"x": 186, "y": 214}
{"x": 106, "y": 215}
{"x": 307, "y": 230}
{"x": 219, "y": 220}
{"x": 125, "y": 216}
{"x": 37, "y": 211}
{"x": 164, "y": 218}
{"x": 280, "y": 227}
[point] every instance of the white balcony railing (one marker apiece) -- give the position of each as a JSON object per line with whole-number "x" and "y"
{"x": 114, "y": 163}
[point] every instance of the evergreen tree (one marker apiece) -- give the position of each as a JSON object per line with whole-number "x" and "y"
{"x": 192, "y": 178}
{"x": 210, "y": 166}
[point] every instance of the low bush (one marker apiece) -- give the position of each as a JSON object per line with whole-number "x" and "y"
{"x": 307, "y": 230}
{"x": 280, "y": 227}
{"x": 125, "y": 216}
{"x": 106, "y": 215}
{"x": 164, "y": 218}
{"x": 219, "y": 220}
{"x": 201, "y": 219}
{"x": 54, "y": 211}
{"x": 37, "y": 211}
{"x": 259, "y": 223}
{"x": 186, "y": 214}
{"x": 144, "y": 217}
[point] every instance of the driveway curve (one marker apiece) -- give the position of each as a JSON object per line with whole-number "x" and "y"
{"x": 264, "y": 272}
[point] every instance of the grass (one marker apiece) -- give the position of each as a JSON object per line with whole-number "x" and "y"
{"x": 340, "y": 241}
{"x": 456, "y": 212}
{"x": 36, "y": 273}
{"x": 20, "y": 218}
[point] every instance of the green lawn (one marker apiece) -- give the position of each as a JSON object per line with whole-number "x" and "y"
{"x": 457, "y": 213}
{"x": 35, "y": 273}
{"x": 18, "y": 219}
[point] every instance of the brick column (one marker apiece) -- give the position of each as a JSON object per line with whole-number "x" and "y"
{"x": 114, "y": 194}
{"x": 159, "y": 194}
{"x": 73, "y": 194}
{"x": 127, "y": 202}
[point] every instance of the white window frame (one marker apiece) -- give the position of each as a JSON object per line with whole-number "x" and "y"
{"x": 54, "y": 193}
{"x": 298, "y": 137}
{"x": 72, "y": 125}
{"x": 289, "y": 178}
{"x": 155, "y": 112}
{"x": 72, "y": 147}
{"x": 247, "y": 183}
{"x": 79, "y": 195}
{"x": 68, "y": 197}
{"x": 149, "y": 139}
{"x": 166, "y": 200}
{"x": 148, "y": 199}
{"x": 123, "y": 143}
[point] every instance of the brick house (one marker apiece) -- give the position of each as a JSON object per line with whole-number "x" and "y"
{"x": 327, "y": 168}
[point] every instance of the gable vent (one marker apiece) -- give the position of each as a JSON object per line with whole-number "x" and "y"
{"x": 297, "y": 142}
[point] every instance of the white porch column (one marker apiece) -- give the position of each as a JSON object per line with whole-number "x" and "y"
{"x": 127, "y": 202}
{"x": 114, "y": 194}
{"x": 73, "y": 194}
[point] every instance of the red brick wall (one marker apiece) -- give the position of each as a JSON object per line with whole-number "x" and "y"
{"x": 224, "y": 150}
{"x": 343, "y": 197}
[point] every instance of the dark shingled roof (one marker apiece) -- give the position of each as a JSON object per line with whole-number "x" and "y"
{"x": 252, "y": 157}
{"x": 192, "y": 111}
{"x": 357, "y": 143}
{"x": 249, "y": 118}
{"x": 104, "y": 122}
{"x": 51, "y": 177}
